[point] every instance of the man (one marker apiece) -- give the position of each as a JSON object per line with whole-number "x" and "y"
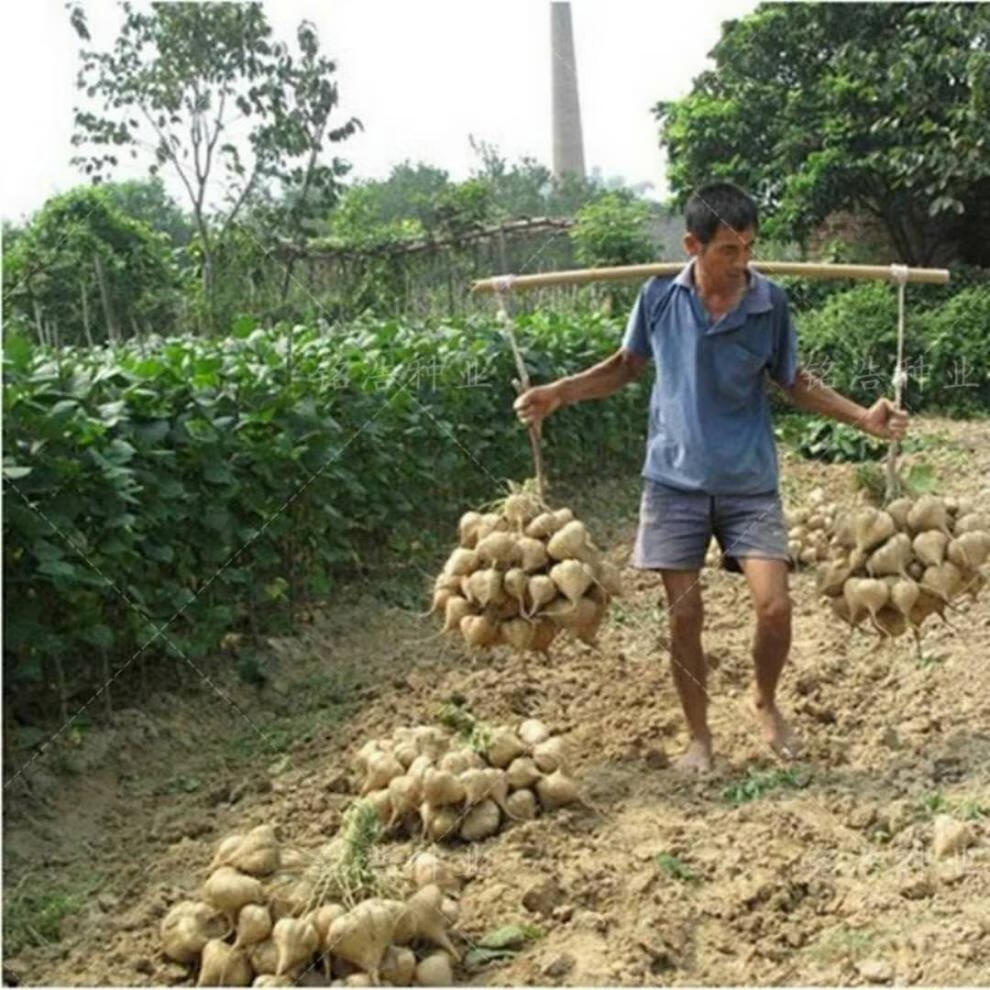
{"x": 711, "y": 464}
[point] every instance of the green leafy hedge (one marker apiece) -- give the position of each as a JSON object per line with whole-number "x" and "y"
{"x": 851, "y": 343}
{"x": 203, "y": 484}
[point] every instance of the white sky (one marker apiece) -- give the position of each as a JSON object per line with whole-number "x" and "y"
{"x": 422, "y": 77}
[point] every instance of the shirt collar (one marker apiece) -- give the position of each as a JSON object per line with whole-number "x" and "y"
{"x": 757, "y": 299}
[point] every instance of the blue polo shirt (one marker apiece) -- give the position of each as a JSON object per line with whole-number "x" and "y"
{"x": 710, "y": 427}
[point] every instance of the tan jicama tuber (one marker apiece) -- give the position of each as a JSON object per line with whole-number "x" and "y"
{"x": 929, "y": 547}
{"x": 551, "y": 754}
{"x": 971, "y": 522}
{"x": 865, "y": 596}
{"x": 522, "y": 772}
{"x": 531, "y": 554}
{"x": 296, "y": 940}
{"x": 481, "y": 821}
{"x": 556, "y": 790}
{"x": 222, "y": 965}
{"x": 540, "y": 591}
{"x": 928, "y": 513}
{"x": 521, "y": 804}
{"x": 382, "y": 767}
{"x": 890, "y": 558}
{"x": 872, "y": 527}
{"x": 479, "y": 631}
{"x": 435, "y": 971}
{"x": 263, "y": 957}
{"x": 254, "y": 924}
{"x": 969, "y": 550}
{"x": 532, "y": 732}
{"x": 229, "y": 891}
{"x": 363, "y": 934}
{"x": 256, "y": 853}
{"x": 440, "y": 821}
{"x": 461, "y": 562}
{"x": 442, "y": 788}
{"x": 519, "y": 634}
{"x": 467, "y": 529}
{"x": 187, "y": 927}
{"x": 323, "y": 917}
{"x": 423, "y": 920}
{"x": 428, "y": 869}
{"x": 503, "y": 747}
{"x": 898, "y": 511}
{"x": 398, "y": 966}
{"x": 497, "y": 548}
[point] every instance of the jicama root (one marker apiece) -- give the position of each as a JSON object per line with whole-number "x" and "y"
{"x": 519, "y": 577}
{"x": 934, "y": 555}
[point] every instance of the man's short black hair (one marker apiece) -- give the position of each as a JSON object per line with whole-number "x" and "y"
{"x": 719, "y": 203}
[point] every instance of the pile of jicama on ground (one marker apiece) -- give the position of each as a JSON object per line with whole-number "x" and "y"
{"x": 271, "y": 916}
{"x": 520, "y": 575}
{"x": 422, "y": 780}
{"x": 894, "y": 567}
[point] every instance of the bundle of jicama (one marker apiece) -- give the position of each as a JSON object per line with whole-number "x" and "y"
{"x": 468, "y": 788}
{"x": 520, "y": 575}
{"x": 894, "y": 567}
{"x": 247, "y": 933}
{"x": 811, "y": 528}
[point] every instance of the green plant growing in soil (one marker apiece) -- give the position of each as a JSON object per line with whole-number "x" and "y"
{"x": 501, "y": 944}
{"x": 834, "y": 944}
{"x": 676, "y": 868}
{"x": 934, "y": 804}
{"x": 758, "y": 783}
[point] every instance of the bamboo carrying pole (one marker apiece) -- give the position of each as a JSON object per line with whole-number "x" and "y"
{"x": 901, "y": 274}
{"x": 582, "y": 276}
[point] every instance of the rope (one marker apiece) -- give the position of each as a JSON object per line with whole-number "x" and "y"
{"x": 898, "y": 274}
{"x": 502, "y": 287}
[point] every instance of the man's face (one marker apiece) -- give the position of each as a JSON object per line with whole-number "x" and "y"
{"x": 725, "y": 257}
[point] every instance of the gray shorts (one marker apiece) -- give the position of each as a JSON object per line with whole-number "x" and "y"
{"x": 675, "y": 528}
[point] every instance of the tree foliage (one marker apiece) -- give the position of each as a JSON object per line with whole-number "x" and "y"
{"x": 82, "y": 271}
{"x": 612, "y": 230}
{"x": 207, "y": 90}
{"x": 148, "y": 201}
{"x": 881, "y": 108}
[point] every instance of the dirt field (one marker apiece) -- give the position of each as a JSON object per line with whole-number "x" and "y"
{"x": 821, "y": 873}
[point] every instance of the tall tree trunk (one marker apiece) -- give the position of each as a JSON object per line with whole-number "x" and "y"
{"x": 112, "y": 332}
{"x": 38, "y": 323}
{"x": 85, "y": 313}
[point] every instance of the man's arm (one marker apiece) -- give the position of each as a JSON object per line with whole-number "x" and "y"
{"x": 596, "y": 382}
{"x": 811, "y": 394}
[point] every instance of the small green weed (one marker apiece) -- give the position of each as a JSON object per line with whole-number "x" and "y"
{"x": 501, "y": 944}
{"x": 758, "y": 783}
{"x": 34, "y": 918}
{"x": 675, "y": 868}
{"x": 840, "y": 943}
{"x": 934, "y": 804}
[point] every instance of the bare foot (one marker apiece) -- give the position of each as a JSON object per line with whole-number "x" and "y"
{"x": 777, "y": 732}
{"x": 697, "y": 758}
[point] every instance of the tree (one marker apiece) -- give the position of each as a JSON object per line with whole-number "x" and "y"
{"x": 146, "y": 200}
{"x": 612, "y": 231}
{"x": 881, "y": 108}
{"x": 528, "y": 188}
{"x": 178, "y": 80}
{"x": 82, "y": 271}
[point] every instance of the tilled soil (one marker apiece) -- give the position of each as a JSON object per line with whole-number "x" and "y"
{"x": 821, "y": 872}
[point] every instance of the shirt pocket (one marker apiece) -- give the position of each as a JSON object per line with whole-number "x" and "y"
{"x": 739, "y": 361}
